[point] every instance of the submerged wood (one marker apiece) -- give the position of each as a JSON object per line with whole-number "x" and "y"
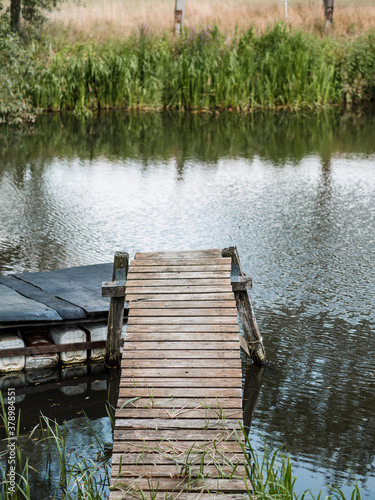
{"x": 250, "y": 328}
{"x": 116, "y": 310}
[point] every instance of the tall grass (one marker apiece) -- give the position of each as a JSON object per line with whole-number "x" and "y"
{"x": 103, "y": 19}
{"x": 203, "y": 70}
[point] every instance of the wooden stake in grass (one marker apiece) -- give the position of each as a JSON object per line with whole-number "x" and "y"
{"x": 179, "y": 16}
{"x": 328, "y": 11}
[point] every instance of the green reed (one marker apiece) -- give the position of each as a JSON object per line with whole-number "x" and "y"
{"x": 203, "y": 71}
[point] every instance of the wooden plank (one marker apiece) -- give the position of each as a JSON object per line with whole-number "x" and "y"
{"x": 188, "y": 392}
{"x": 173, "y": 446}
{"x": 133, "y": 313}
{"x": 210, "y": 364}
{"x": 181, "y": 336}
{"x": 176, "y": 495}
{"x": 175, "y": 423}
{"x": 193, "y": 485}
{"x": 183, "y": 320}
{"x": 231, "y": 402}
{"x": 135, "y": 297}
{"x": 182, "y": 373}
{"x": 186, "y": 254}
{"x": 186, "y": 346}
{"x": 183, "y": 328}
{"x": 175, "y": 470}
{"x": 183, "y": 435}
{"x": 181, "y": 413}
{"x": 181, "y": 354}
{"x": 177, "y": 289}
{"x": 184, "y": 268}
{"x": 202, "y": 262}
{"x": 185, "y": 275}
{"x": 52, "y": 349}
{"x": 140, "y": 381}
{"x": 182, "y": 304}
{"x": 156, "y": 457}
{"x": 177, "y": 282}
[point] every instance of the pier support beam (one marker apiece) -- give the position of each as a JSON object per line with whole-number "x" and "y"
{"x": 116, "y": 290}
{"x": 240, "y": 284}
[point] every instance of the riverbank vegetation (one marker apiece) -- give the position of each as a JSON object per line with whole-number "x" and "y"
{"x": 204, "y": 70}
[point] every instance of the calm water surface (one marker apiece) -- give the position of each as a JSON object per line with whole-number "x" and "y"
{"x": 294, "y": 192}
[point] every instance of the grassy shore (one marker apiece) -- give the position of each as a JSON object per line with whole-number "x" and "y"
{"x": 206, "y": 69}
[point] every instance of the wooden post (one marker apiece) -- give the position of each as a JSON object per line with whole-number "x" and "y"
{"x": 179, "y": 16}
{"x": 15, "y": 15}
{"x": 240, "y": 284}
{"x": 116, "y": 290}
{"x": 329, "y": 5}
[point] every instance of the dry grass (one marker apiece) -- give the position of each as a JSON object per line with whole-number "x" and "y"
{"x": 102, "y": 19}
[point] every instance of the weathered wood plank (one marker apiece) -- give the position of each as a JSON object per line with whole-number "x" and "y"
{"x": 181, "y": 354}
{"x": 143, "y": 313}
{"x": 181, "y": 336}
{"x": 175, "y": 423}
{"x": 228, "y": 402}
{"x": 186, "y": 254}
{"x": 182, "y": 304}
{"x": 188, "y": 392}
{"x": 185, "y": 275}
{"x": 182, "y": 268}
{"x": 140, "y": 381}
{"x": 156, "y": 457}
{"x": 177, "y": 495}
{"x": 163, "y": 284}
{"x": 198, "y": 485}
{"x": 135, "y": 297}
{"x": 182, "y": 434}
{"x": 183, "y": 328}
{"x": 177, "y": 447}
{"x": 186, "y": 346}
{"x": 186, "y": 373}
{"x": 177, "y": 289}
{"x": 170, "y": 262}
{"x": 177, "y": 363}
{"x": 175, "y": 470}
{"x": 52, "y": 349}
{"x": 184, "y": 320}
{"x": 181, "y": 413}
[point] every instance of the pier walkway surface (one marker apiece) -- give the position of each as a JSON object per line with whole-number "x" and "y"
{"x": 177, "y": 432}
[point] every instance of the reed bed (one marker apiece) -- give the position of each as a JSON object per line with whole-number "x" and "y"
{"x": 205, "y": 71}
{"x": 103, "y": 19}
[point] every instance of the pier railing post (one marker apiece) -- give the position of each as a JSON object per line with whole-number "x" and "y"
{"x": 116, "y": 290}
{"x": 240, "y": 284}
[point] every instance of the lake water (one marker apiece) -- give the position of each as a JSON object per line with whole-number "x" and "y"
{"x": 295, "y": 192}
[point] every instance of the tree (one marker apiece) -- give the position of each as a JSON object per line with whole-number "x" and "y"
{"x": 31, "y": 10}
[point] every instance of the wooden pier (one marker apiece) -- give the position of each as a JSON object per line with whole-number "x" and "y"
{"x": 177, "y": 423}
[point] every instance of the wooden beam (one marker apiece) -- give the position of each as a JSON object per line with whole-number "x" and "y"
{"x": 116, "y": 311}
{"x": 250, "y": 328}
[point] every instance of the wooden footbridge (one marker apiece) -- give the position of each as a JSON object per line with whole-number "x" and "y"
{"x": 177, "y": 423}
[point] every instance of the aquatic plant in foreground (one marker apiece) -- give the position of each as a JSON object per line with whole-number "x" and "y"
{"x": 270, "y": 473}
